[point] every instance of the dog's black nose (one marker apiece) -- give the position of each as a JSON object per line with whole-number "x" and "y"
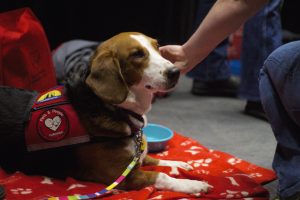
{"x": 173, "y": 74}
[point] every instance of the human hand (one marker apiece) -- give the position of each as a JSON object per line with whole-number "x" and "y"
{"x": 176, "y": 55}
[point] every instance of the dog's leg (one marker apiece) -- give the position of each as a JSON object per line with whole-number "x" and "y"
{"x": 174, "y": 165}
{"x": 149, "y": 161}
{"x": 138, "y": 179}
{"x": 165, "y": 182}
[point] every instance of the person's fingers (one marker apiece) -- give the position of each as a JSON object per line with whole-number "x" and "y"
{"x": 173, "y": 53}
{"x": 167, "y": 53}
{"x": 176, "y": 55}
{"x": 182, "y": 66}
{"x": 162, "y": 49}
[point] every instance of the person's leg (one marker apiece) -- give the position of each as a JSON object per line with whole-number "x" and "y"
{"x": 262, "y": 35}
{"x": 211, "y": 76}
{"x": 279, "y": 89}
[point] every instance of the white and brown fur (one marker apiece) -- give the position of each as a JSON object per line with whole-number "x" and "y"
{"x": 124, "y": 73}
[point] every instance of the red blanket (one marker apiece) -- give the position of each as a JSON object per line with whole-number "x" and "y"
{"x": 231, "y": 177}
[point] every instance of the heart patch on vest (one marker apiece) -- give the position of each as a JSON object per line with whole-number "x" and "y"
{"x": 53, "y": 125}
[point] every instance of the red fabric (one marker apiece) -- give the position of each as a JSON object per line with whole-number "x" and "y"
{"x": 53, "y": 122}
{"x": 25, "y": 57}
{"x": 235, "y": 44}
{"x": 231, "y": 177}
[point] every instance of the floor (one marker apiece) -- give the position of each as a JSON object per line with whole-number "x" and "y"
{"x": 218, "y": 123}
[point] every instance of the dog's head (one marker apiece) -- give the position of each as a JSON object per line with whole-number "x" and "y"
{"x": 127, "y": 69}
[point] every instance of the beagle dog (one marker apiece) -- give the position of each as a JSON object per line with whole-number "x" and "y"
{"x": 111, "y": 99}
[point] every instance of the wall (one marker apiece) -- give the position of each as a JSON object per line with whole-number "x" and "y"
{"x": 167, "y": 20}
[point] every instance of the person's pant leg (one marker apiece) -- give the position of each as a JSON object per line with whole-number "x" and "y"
{"x": 262, "y": 35}
{"x": 215, "y": 66}
{"x": 280, "y": 96}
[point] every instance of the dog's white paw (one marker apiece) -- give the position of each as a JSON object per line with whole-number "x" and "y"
{"x": 172, "y": 163}
{"x": 166, "y": 182}
{"x": 191, "y": 186}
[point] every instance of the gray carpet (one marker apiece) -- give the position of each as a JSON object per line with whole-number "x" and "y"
{"x": 218, "y": 123}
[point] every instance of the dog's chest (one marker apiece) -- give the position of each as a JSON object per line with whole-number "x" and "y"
{"x": 131, "y": 147}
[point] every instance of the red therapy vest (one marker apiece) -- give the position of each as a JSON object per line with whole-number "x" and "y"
{"x": 53, "y": 122}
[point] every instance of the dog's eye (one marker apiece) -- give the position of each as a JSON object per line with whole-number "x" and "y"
{"x": 138, "y": 54}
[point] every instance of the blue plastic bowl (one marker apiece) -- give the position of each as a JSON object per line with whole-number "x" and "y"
{"x": 157, "y": 137}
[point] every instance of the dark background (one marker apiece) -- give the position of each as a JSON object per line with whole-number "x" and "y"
{"x": 170, "y": 21}
{"x": 167, "y": 20}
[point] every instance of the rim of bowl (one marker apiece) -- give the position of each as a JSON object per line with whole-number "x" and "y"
{"x": 163, "y": 127}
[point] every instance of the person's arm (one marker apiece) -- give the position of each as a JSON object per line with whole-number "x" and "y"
{"x": 225, "y": 17}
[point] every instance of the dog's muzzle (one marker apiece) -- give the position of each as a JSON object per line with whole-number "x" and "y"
{"x": 172, "y": 75}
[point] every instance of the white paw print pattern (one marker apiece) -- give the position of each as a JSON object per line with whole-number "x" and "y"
{"x": 234, "y": 194}
{"x": 185, "y": 143}
{"x": 73, "y": 186}
{"x": 150, "y": 189}
{"x": 202, "y": 171}
{"x": 163, "y": 154}
{"x": 255, "y": 175}
{"x": 216, "y": 155}
{"x": 234, "y": 161}
{"x": 227, "y": 171}
{"x": 196, "y": 147}
{"x": 193, "y": 152}
{"x": 157, "y": 197}
{"x": 22, "y": 191}
{"x": 233, "y": 181}
{"x": 201, "y": 163}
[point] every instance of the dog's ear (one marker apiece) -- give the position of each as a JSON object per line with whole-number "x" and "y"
{"x": 106, "y": 80}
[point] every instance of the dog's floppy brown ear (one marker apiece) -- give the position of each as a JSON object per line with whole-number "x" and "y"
{"x": 106, "y": 80}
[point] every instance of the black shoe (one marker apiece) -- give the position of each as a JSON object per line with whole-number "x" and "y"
{"x": 226, "y": 88}
{"x": 294, "y": 197}
{"x": 255, "y": 109}
{"x": 2, "y": 192}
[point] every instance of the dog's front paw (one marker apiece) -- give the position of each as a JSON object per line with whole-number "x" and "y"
{"x": 195, "y": 187}
{"x": 191, "y": 186}
{"x": 166, "y": 182}
{"x": 174, "y": 165}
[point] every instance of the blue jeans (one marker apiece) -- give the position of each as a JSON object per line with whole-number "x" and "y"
{"x": 280, "y": 95}
{"x": 262, "y": 34}
{"x": 215, "y": 66}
